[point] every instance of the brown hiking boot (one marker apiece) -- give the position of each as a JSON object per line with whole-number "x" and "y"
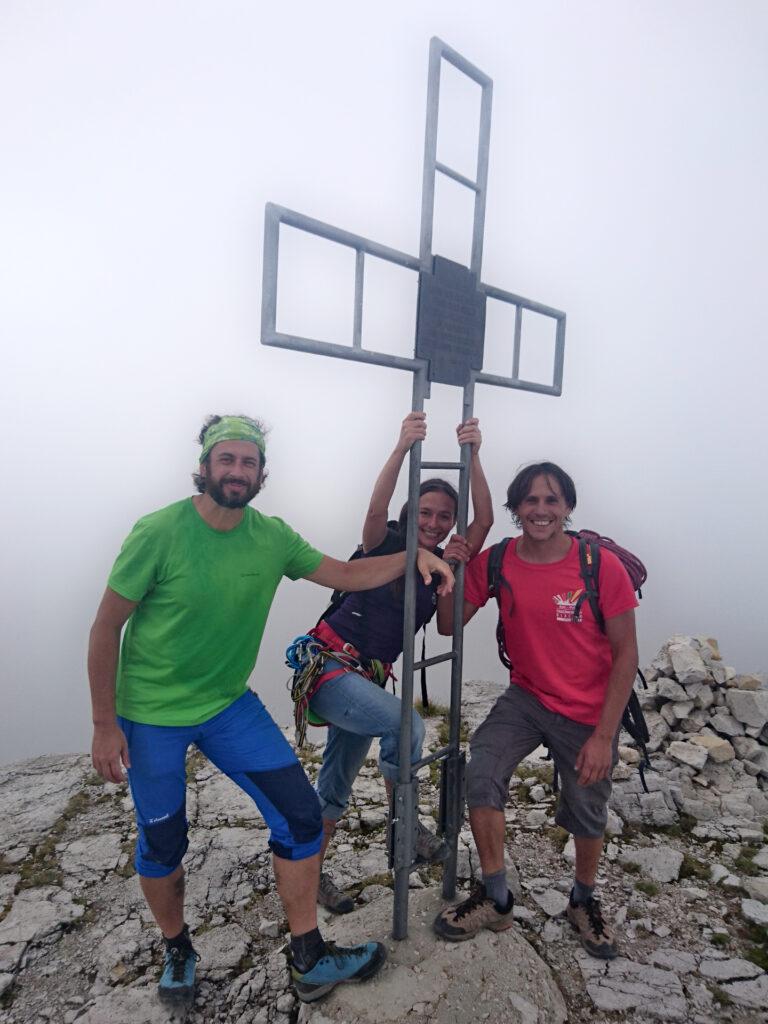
{"x": 332, "y": 898}
{"x": 470, "y": 916}
{"x": 430, "y": 849}
{"x": 595, "y": 935}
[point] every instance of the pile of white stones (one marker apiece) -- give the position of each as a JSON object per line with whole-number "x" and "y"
{"x": 708, "y": 746}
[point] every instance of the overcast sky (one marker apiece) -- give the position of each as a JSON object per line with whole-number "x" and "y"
{"x": 140, "y": 142}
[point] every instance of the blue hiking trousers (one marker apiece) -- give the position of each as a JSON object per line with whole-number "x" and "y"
{"x": 243, "y": 742}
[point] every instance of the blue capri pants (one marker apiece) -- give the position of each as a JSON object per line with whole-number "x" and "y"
{"x": 243, "y": 742}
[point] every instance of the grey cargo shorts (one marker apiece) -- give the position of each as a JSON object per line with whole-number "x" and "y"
{"x": 515, "y": 726}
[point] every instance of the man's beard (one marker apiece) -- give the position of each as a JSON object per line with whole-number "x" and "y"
{"x": 216, "y": 492}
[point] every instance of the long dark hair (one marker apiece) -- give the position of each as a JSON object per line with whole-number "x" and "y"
{"x": 427, "y": 486}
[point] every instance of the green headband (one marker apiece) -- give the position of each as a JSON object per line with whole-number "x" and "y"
{"x": 232, "y": 428}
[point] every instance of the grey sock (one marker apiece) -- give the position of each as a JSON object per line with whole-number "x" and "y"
{"x": 581, "y": 893}
{"x": 496, "y": 887}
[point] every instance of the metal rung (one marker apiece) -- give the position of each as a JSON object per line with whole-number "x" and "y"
{"x": 450, "y": 173}
{"x": 442, "y": 465}
{"x": 436, "y": 756}
{"x": 437, "y": 660}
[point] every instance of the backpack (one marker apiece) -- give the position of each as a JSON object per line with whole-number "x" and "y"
{"x": 338, "y": 597}
{"x": 590, "y": 545}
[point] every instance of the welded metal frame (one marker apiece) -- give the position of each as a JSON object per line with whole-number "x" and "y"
{"x": 405, "y": 798}
{"x": 275, "y": 216}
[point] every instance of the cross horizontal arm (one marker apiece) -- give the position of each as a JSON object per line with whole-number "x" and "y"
{"x": 329, "y": 348}
{"x": 519, "y": 385}
{"x": 274, "y": 216}
{"x": 517, "y": 300}
{"x": 282, "y": 215}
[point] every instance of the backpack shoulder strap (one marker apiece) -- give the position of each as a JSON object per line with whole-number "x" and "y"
{"x": 338, "y": 597}
{"x": 589, "y": 568}
{"x": 495, "y": 582}
{"x": 495, "y": 558}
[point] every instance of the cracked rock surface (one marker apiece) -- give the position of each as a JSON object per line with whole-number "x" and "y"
{"x": 684, "y": 881}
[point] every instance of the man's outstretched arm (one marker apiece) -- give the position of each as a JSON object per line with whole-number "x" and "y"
{"x": 109, "y": 749}
{"x": 366, "y": 573}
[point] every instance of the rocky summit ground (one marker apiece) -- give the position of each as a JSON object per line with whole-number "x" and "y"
{"x": 685, "y": 879}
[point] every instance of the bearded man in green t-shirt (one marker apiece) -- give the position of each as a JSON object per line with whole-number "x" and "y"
{"x": 193, "y": 585}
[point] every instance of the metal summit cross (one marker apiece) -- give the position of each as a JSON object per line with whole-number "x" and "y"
{"x": 450, "y": 334}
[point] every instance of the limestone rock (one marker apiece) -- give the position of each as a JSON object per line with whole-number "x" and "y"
{"x": 694, "y": 722}
{"x": 629, "y": 755}
{"x": 91, "y": 855}
{"x": 552, "y": 902}
{"x": 687, "y": 753}
{"x": 753, "y": 993}
{"x": 660, "y": 863}
{"x": 222, "y": 949}
{"x": 675, "y": 960}
{"x": 680, "y": 709}
{"x": 722, "y": 722}
{"x": 746, "y": 682}
{"x": 138, "y": 1005}
{"x": 657, "y": 807}
{"x": 760, "y": 760}
{"x": 729, "y": 970}
{"x": 37, "y": 913}
{"x": 702, "y": 695}
{"x": 718, "y": 749}
{"x": 421, "y": 970}
{"x": 621, "y": 984}
{"x": 755, "y": 911}
{"x": 757, "y": 888}
{"x": 748, "y": 707}
{"x": 658, "y": 731}
{"x": 373, "y": 892}
{"x": 669, "y": 689}
{"x": 687, "y": 663}
{"x": 35, "y": 793}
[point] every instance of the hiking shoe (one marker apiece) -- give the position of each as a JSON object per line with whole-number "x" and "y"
{"x": 476, "y": 912}
{"x": 340, "y": 963}
{"x": 332, "y": 898}
{"x": 430, "y": 849}
{"x": 177, "y": 982}
{"x": 595, "y": 935}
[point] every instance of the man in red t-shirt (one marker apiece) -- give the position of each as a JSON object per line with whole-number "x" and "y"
{"x": 570, "y": 683}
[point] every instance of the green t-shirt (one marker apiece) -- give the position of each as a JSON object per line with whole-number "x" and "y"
{"x": 204, "y": 596}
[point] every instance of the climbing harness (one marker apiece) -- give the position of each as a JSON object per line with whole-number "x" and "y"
{"x": 307, "y": 655}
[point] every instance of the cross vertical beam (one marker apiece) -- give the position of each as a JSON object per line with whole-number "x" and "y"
{"x": 448, "y": 350}
{"x": 439, "y": 51}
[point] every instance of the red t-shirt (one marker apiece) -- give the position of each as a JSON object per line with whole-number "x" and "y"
{"x": 564, "y": 664}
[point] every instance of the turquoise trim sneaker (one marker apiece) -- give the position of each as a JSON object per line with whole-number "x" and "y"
{"x": 177, "y": 982}
{"x": 340, "y": 963}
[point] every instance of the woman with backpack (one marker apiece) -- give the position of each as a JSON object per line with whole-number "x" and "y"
{"x": 362, "y": 636}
